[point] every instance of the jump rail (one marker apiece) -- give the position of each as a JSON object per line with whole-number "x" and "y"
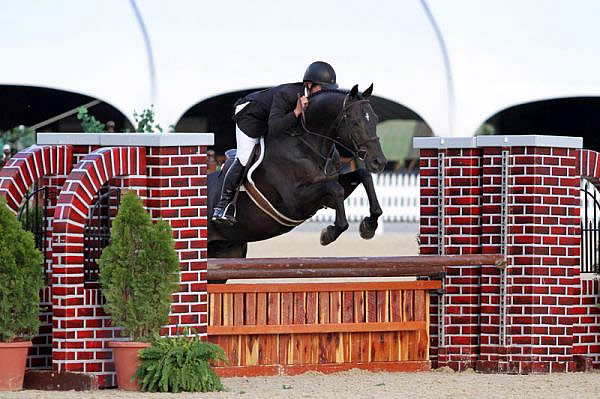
{"x": 385, "y": 266}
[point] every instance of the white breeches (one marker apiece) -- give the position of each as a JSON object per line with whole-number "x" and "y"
{"x": 245, "y": 144}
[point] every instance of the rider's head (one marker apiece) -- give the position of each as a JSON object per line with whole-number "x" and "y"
{"x": 319, "y": 75}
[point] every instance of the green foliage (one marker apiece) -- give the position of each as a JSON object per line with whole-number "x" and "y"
{"x": 486, "y": 129}
{"x": 145, "y": 121}
{"x": 179, "y": 364}
{"x": 18, "y": 137}
{"x": 139, "y": 271}
{"x": 88, "y": 122}
{"x": 21, "y": 279}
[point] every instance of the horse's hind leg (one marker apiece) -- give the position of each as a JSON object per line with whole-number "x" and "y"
{"x": 335, "y": 199}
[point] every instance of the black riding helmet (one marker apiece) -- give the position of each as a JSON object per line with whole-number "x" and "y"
{"x": 321, "y": 73}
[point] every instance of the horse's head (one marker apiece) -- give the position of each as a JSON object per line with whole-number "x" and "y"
{"x": 358, "y": 129}
{"x": 349, "y": 118}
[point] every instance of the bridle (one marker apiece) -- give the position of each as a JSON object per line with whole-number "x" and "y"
{"x": 342, "y": 117}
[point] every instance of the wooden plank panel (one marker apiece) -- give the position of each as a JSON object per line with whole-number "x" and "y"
{"x": 252, "y": 345}
{"x": 238, "y": 309}
{"x": 380, "y": 346}
{"x": 328, "y": 344}
{"x": 347, "y": 346}
{"x": 419, "y": 309}
{"x": 347, "y": 307}
{"x": 395, "y": 306}
{"x": 287, "y": 308}
{"x": 311, "y": 308}
{"x": 285, "y": 349}
{"x": 323, "y": 307}
{"x": 296, "y": 354}
{"x": 261, "y": 308}
{"x": 317, "y": 287}
{"x": 403, "y": 345}
{"x": 317, "y": 328}
{"x": 335, "y": 304}
{"x": 273, "y": 311}
{"x": 383, "y": 306}
{"x": 215, "y": 310}
{"x": 394, "y": 346}
{"x": 227, "y": 309}
{"x": 299, "y": 308}
{"x": 372, "y": 306}
{"x": 408, "y": 305}
{"x": 250, "y": 308}
{"x": 359, "y": 306}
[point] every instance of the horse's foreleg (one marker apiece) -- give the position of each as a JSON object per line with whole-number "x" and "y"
{"x": 369, "y": 224}
{"x": 335, "y": 200}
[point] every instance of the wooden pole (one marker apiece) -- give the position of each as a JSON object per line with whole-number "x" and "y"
{"x": 392, "y": 266}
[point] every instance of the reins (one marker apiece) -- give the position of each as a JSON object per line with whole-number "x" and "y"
{"x": 356, "y": 152}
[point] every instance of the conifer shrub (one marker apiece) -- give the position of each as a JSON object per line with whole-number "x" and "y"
{"x": 139, "y": 271}
{"x": 21, "y": 279}
{"x": 179, "y": 364}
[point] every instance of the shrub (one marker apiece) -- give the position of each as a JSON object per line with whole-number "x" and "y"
{"x": 179, "y": 364}
{"x": 88, "y": 122}
{"x": 21, "y": 279}
{"x": 139, "y": 271}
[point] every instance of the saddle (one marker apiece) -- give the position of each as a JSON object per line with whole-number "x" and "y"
{"x": 249, "y": 186}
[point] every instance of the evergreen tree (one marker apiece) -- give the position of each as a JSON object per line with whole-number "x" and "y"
{"x": 139, "y": 271}
{"x": 21, "y": 278}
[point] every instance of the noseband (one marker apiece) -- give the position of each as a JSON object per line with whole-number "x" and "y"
{"x": 342, "y": 117}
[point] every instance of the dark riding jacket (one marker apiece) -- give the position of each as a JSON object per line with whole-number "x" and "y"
{"x": 270, "y": 110}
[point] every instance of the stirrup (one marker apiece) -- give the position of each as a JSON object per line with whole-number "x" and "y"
{"x": 223, "y": 217}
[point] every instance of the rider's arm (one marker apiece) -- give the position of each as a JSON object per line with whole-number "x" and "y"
{"x": 282, "y": 116}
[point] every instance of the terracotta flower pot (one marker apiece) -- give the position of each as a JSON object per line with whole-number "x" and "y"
{"x": 127, "y": 362}
{"x": 12, "y": 365}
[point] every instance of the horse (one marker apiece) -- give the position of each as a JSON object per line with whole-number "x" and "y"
{"x": 300, "y": 172}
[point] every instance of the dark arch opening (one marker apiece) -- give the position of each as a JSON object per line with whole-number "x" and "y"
{"x": 29, "y": 105}
{"x": 397, "y": 125}
{"x": 577, "y": 116}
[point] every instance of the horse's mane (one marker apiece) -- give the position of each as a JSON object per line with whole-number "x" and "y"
{"x": 328, "y": 91}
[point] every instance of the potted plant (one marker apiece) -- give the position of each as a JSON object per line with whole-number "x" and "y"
{"x": 21, "y": 279}
{"x": 139, "y": 271}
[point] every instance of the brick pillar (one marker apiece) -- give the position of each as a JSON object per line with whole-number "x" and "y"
{"x": 177, "y": 193}
{"x": 455, "y": 163}
{"x": 528, "y": 195}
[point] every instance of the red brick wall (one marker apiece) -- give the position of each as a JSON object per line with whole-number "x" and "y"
{"x": 542, "y": 241}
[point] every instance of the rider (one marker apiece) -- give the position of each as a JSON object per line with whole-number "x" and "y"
{"x": 268, "y": 111}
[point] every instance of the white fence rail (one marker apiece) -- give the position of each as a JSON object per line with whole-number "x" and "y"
{"x": 398, "y": 195}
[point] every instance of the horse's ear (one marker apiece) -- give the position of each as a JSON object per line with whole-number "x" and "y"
{"x": 354, "y": 91}
{"x": 368, "y": 92}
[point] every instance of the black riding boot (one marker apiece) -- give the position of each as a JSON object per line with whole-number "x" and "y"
{"x": 232, "y": 180}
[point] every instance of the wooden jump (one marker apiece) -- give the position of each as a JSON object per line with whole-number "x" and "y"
{"x": 291, "y": 328}
{"x": 385, "y": 266}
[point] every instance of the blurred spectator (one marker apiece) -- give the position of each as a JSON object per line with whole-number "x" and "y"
{"x": 5, "y": 155}
{"x": 110, "y": 126}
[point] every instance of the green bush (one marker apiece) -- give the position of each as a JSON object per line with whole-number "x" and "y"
{"x": 179, "y": 364}
{"x": 21, "y": 279}
{"x": 139, "y": 271}
{"x": 88, "y": 122}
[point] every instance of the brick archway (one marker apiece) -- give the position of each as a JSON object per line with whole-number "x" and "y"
{"x": 28, "y": 166}
{"x": 49, "y": 164}
{"x": 73, "y": 304}
{"x": 589, "y": 166}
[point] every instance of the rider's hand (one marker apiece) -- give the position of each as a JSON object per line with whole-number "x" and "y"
{"x": 301, "y": 104}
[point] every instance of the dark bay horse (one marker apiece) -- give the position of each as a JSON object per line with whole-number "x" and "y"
{"x": 301, "y": 172}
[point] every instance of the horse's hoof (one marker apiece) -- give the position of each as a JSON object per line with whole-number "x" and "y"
{"x": 367, "y": 228}
{"x": 328, "y": 235}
